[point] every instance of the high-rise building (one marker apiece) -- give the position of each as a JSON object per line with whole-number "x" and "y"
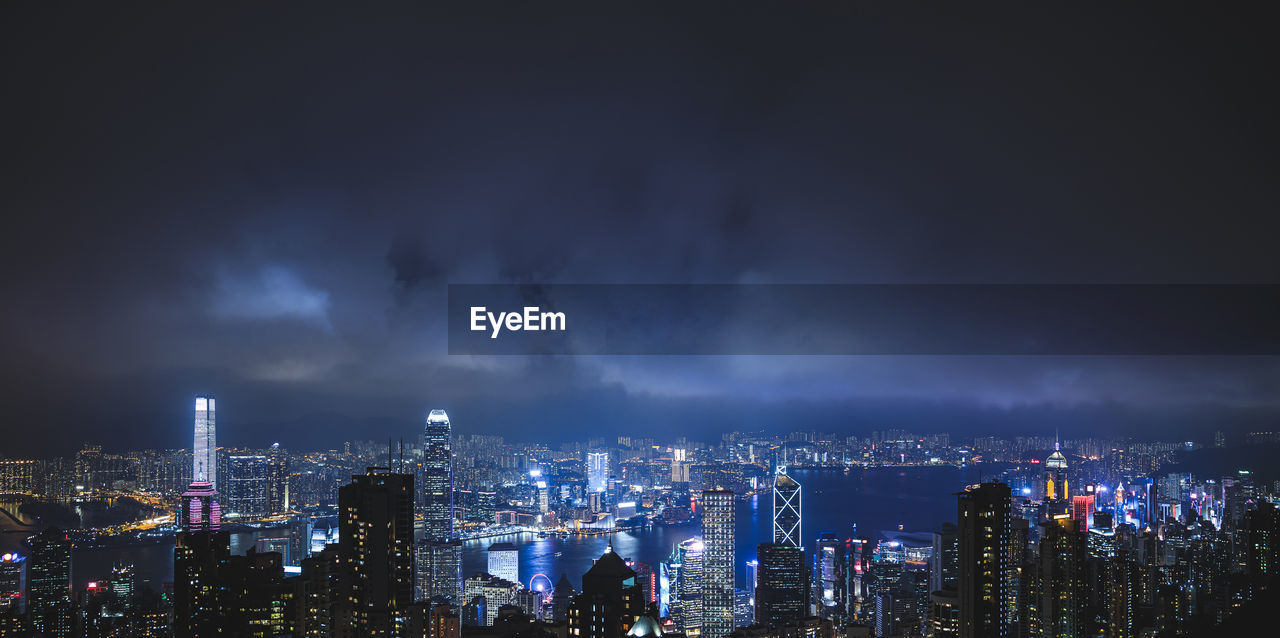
{"x": 13, "y": 584}
{"x": 50, "y": 606}
{"x": 611, "y": 600}
{"x": 561, "y": 596}
{"x": 247, "y": 485}
{"x": 679, "y": 466}
{"x": 316, "y": 593}
{"x": 944, "y": 614}
{"x": 597, "y": 472}
{"x": 504, "y": 561}
{"x": 1262, "y": 535}
{"x": 375, "y": 523}
{"x": 944, "y": 564}
{"x": 718, "y": 562}
{"x": 780, "y": 584}
{"x": 216, "y": 592}
{"x": 437, "y": 478}
{"x": 829, "y": 575}
{"x": 984, "y": 527}
{"x": 1056, "y": 485}
{"x": 121, "y": 584}
{"x": 277, "y": 480}
{"x": 1063, "y": 580}
{"x": 197, "y": 557}
{"x": 1082, "y": 508}
{"x": 204, "y": 451}
{"x": 494, "y": 591}
{"x": 786, "y": 509}
{"x": 200, "y": 509}
{"x": 1123, "y": 596}
{"x": 686, "y": 566}
{"x": 440, "y": 571}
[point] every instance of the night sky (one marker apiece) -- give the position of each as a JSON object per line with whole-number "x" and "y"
{"x": 266, "y": 205}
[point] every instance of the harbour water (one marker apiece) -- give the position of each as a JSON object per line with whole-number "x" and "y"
{"x": 877, "y": 500}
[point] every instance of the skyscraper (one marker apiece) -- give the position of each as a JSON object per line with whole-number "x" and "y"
{"x": 611, "y": 600}
{"x": 984, "y": 528}
{"x": 437, "y": 478}
{"x": 247, "y": 490}
{"x": 597, "y": 471}
{"x": 216, "y": 592}
{"x": 200, "y": 509}
{"x": 50, "y": 583}
{"x": 203, "y": 452}
{"x": 780, "y": 584}
{"x": 1056, "y": 485}
{"x": 1063, "y": 581}
{"x": 277, "y": 480}
{"x": 13, "y": 583}
{"x": 686, "y": 566}
{"x": 375, "y": 522}
{"x": 504, "y": 561}
{"x": 197, "y": 557}
{"x": 830, "y": 570}
{"x": 943, "y": 563}
{"x": 440, "y": 571}
{"x": 718, "y": 562}
{"x": 786, "y": 509}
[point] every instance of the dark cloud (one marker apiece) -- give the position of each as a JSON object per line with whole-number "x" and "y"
{"x": 268, "y": 205}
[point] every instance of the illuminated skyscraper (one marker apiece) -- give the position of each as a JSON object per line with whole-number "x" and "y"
{"x": 375, "y": 519}
{"x": 1064, "y": 594}
{"x": 830, "y": 576}
{"x": 440, "y": 571}
{"x": 1056, "y": 486}
{"x": 13, "y": 583}
{"x": 247, "y": 487}
{"x": 437, "y": 478}
{"x": 277, "y": 480}
{"x": 52, "y": 612}
{"x": 686, "y": 566}
{"x": 200, "y": 510}
{"x": 780, "y": 584}
{"x": 984, "y": 530}
{"x": 786, "y": 509}
{"x": 504, "y": 561}
{"x": 718, "y": 561}
{"x": 204, "y": 463}
{"x": 597, "y": 471}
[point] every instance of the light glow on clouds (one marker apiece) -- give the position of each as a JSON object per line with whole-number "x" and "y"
{"x": 273, "y": 292}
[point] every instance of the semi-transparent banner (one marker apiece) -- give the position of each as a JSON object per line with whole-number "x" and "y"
{"x": 835, "y": 319}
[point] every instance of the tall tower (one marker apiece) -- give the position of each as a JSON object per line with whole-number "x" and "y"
{"x": 277, "y": 480}
{"x": 718, "y": 527}
{"x": 376, "y": 549}
{"x": 200, "y": 512}
{"x": 51, "y": 609}
{"x": 597, "y": 471}
{"x": 687, "y": 565}
{"x": 205, "y": 448}
{"x": 1056, "y": 487}
{"x": 437, "y": 478}
{"x": 780, "y": 584}
{"x": 1064, "y": 583}
{"x": 984, "y": 532}
{"x": 786, "y": 509}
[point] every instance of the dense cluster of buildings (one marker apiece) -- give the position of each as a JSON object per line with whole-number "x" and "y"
{"x": 368, "y": 541}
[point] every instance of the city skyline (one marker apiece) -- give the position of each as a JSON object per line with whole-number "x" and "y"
{"x": 639, "y": 321}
